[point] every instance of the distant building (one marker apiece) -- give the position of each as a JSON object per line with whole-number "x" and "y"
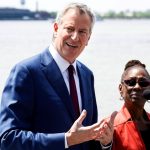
{"x": 22, "y": 14}
{"x": 12, "y": 13}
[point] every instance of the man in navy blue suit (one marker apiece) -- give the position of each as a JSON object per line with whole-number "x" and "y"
{"x": 37, "y": 112}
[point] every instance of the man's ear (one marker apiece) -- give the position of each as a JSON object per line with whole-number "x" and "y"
{"x": 55, "y": 27}
{"x": 88, "y": 40}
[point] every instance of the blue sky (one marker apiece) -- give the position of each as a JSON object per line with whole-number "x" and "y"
{"x": 99, "y": 5}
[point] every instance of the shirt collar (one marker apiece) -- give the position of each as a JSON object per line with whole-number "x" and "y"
{"x": 124, "y": 116}
{"x": 60, "y": 61}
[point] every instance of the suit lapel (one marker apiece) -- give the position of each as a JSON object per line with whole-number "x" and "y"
{"x": 84, "y": 88}
{"x": 56, "y": 80}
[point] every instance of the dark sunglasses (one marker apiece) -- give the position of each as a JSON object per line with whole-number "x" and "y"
{"x": 143, "y": 82}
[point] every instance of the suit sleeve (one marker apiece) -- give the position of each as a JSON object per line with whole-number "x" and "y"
{"x": 17, "y": 110}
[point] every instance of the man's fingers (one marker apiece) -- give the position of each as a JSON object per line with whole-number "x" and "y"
{"x": 97, "y": 126}
{"x": 82, "y": 117}
{"x": 112, "y": 118}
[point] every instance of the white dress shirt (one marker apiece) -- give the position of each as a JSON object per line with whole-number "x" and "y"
{"x": 63, "y": 66}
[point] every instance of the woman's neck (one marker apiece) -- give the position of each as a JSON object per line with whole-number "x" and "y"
{"x": 138, "y": 116}
{"x": 136, "y": 111}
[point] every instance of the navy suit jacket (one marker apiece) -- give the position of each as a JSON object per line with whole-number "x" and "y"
{"x": 36, "y": 109}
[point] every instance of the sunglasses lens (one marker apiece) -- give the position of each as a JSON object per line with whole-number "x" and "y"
{"x": 131, "y": 82}
{"x": 144, "y": 83}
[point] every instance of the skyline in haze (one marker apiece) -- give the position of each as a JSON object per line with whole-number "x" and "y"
{"x": 99, "y": 6}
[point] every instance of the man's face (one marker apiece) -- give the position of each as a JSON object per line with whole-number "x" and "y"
{"x": 72, "y": 34}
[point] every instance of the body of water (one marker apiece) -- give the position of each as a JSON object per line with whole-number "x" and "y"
{"x": 112, "y": 44}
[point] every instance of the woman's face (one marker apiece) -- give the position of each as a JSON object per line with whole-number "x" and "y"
{"x": 134, "y": 82}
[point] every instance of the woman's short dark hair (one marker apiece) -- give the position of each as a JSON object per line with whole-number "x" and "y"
{"x": 132, "y": 63}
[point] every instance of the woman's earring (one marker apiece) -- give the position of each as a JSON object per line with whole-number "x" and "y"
{"x": 121, "y": 98}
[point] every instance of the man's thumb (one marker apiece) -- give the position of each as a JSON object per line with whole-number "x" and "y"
{"x": 82, "y": 117}
{"x": 112, "y": 117}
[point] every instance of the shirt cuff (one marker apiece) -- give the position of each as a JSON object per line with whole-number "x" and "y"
{"x": 66, "y": 144}
{"x": 106, "y": 147}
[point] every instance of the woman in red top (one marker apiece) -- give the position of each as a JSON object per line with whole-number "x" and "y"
{"x": 132, "y": 123}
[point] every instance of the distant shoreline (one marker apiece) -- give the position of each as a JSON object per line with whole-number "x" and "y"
{"x": 26, "y": 14}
